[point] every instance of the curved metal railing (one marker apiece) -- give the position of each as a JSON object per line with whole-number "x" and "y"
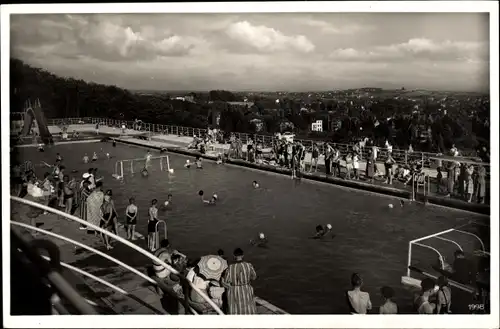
{"x": 115, "y": 237}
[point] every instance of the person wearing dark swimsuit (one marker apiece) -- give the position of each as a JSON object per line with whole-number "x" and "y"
{"x": 108, "y": 219}
{"x": 131, "y": 214}
{"x": 68, "y": 194}
{"x": 153, "y": 220}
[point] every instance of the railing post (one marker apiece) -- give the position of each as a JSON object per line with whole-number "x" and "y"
{"x": 406, "y": 157}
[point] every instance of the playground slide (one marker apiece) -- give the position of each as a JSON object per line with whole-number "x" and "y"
{"x": 36, "y": 113}
{"x": 28, "y": 121}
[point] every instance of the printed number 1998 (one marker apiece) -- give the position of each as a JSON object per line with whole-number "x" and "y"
{"x": 476, "y": 307}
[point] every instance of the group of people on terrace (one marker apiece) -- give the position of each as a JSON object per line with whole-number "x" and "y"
{"x": 465, "y": 179}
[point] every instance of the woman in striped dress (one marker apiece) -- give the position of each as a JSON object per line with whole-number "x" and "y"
{"x": 84, "y": 194}
{"x": 236, "y": 280}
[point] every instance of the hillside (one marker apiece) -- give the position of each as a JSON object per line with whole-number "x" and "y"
{"x": 66, "y": 97}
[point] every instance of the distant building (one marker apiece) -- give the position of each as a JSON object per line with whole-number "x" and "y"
{"x": 245, "y": 104}
{"x": 317, "y": 126}
{"x": 189, "y": 98}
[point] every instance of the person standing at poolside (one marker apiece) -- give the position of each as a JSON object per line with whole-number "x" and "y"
{"x": 131, "y": 218}
{"x": 481, "y": 184}
{"x": 358, "y": 301}
{"x": 328, "y": 159}
{"x": 389, "y": 307}
{"x": 84, "y": 194}
{"x": 422, "y": 301}
{"x": 236, "y": 280}
{"x": 335, "y": 162}
{"x": 108, "y": 219}
{"x": 314, "y": 158}
{"x": 148, "y": 160}
{"x": 94, "y": 203}
{"x": 355, "y": 165}
{"x": 153, "y": 220}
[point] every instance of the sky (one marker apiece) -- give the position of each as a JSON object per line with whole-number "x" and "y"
{"x": 260, "y": 52}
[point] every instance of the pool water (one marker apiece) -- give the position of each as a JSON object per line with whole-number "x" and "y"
{"x": 300, "y": 275}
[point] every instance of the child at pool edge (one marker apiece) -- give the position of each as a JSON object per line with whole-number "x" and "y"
{"x": 389, "y": 307}
{"x": 131, "y": 215}
{"x": 153, "y": 219}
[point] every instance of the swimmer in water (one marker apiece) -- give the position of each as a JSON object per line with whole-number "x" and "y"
{"x": 148, "y": 159}
{"x": 168, "y": 203}
{"x": 108, "y": 156}
{"x": 322, "y": 231}
{"x": 85, "y": 158}
{"x": 199, "y": 164}
{"x": 94, "y": 157}
{"x": 212, "y": 201}
{"x": 255, "y": 184}
{"x": 144, "y": 172}
{"x": 58, "y": 157}
{"x": 219, "y": 159}
{"x": 188, "y": 164}
{"x": 40, "y": 148}
{"x": 261, "y": 241}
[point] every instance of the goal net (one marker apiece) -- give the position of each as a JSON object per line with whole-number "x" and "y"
{"x": 130, "y": 167}
{"x": 433, "y": 255}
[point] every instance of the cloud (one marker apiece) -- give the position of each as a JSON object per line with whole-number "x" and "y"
{"x": 255, "y": 51}
{"x": 328, "y": 28}
{"x": 102, "y": 39}
{"x": 418, "y": 49}
{"x": 266, "y": 39}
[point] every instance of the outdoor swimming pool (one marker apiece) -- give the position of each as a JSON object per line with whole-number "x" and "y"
{"x": 300, "y": 275}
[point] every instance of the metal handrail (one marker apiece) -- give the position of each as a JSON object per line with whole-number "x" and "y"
{"x": 124, "y": 241}
{"x": 97, "y": 252}
{"x": 157, "y": 233}
{"x": 81, "y": 245}
{"x": 55, "y": 278}
{"x": 107, "y": 284}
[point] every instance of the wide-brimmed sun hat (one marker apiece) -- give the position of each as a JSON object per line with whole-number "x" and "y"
{"x": 86, "y": 175}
